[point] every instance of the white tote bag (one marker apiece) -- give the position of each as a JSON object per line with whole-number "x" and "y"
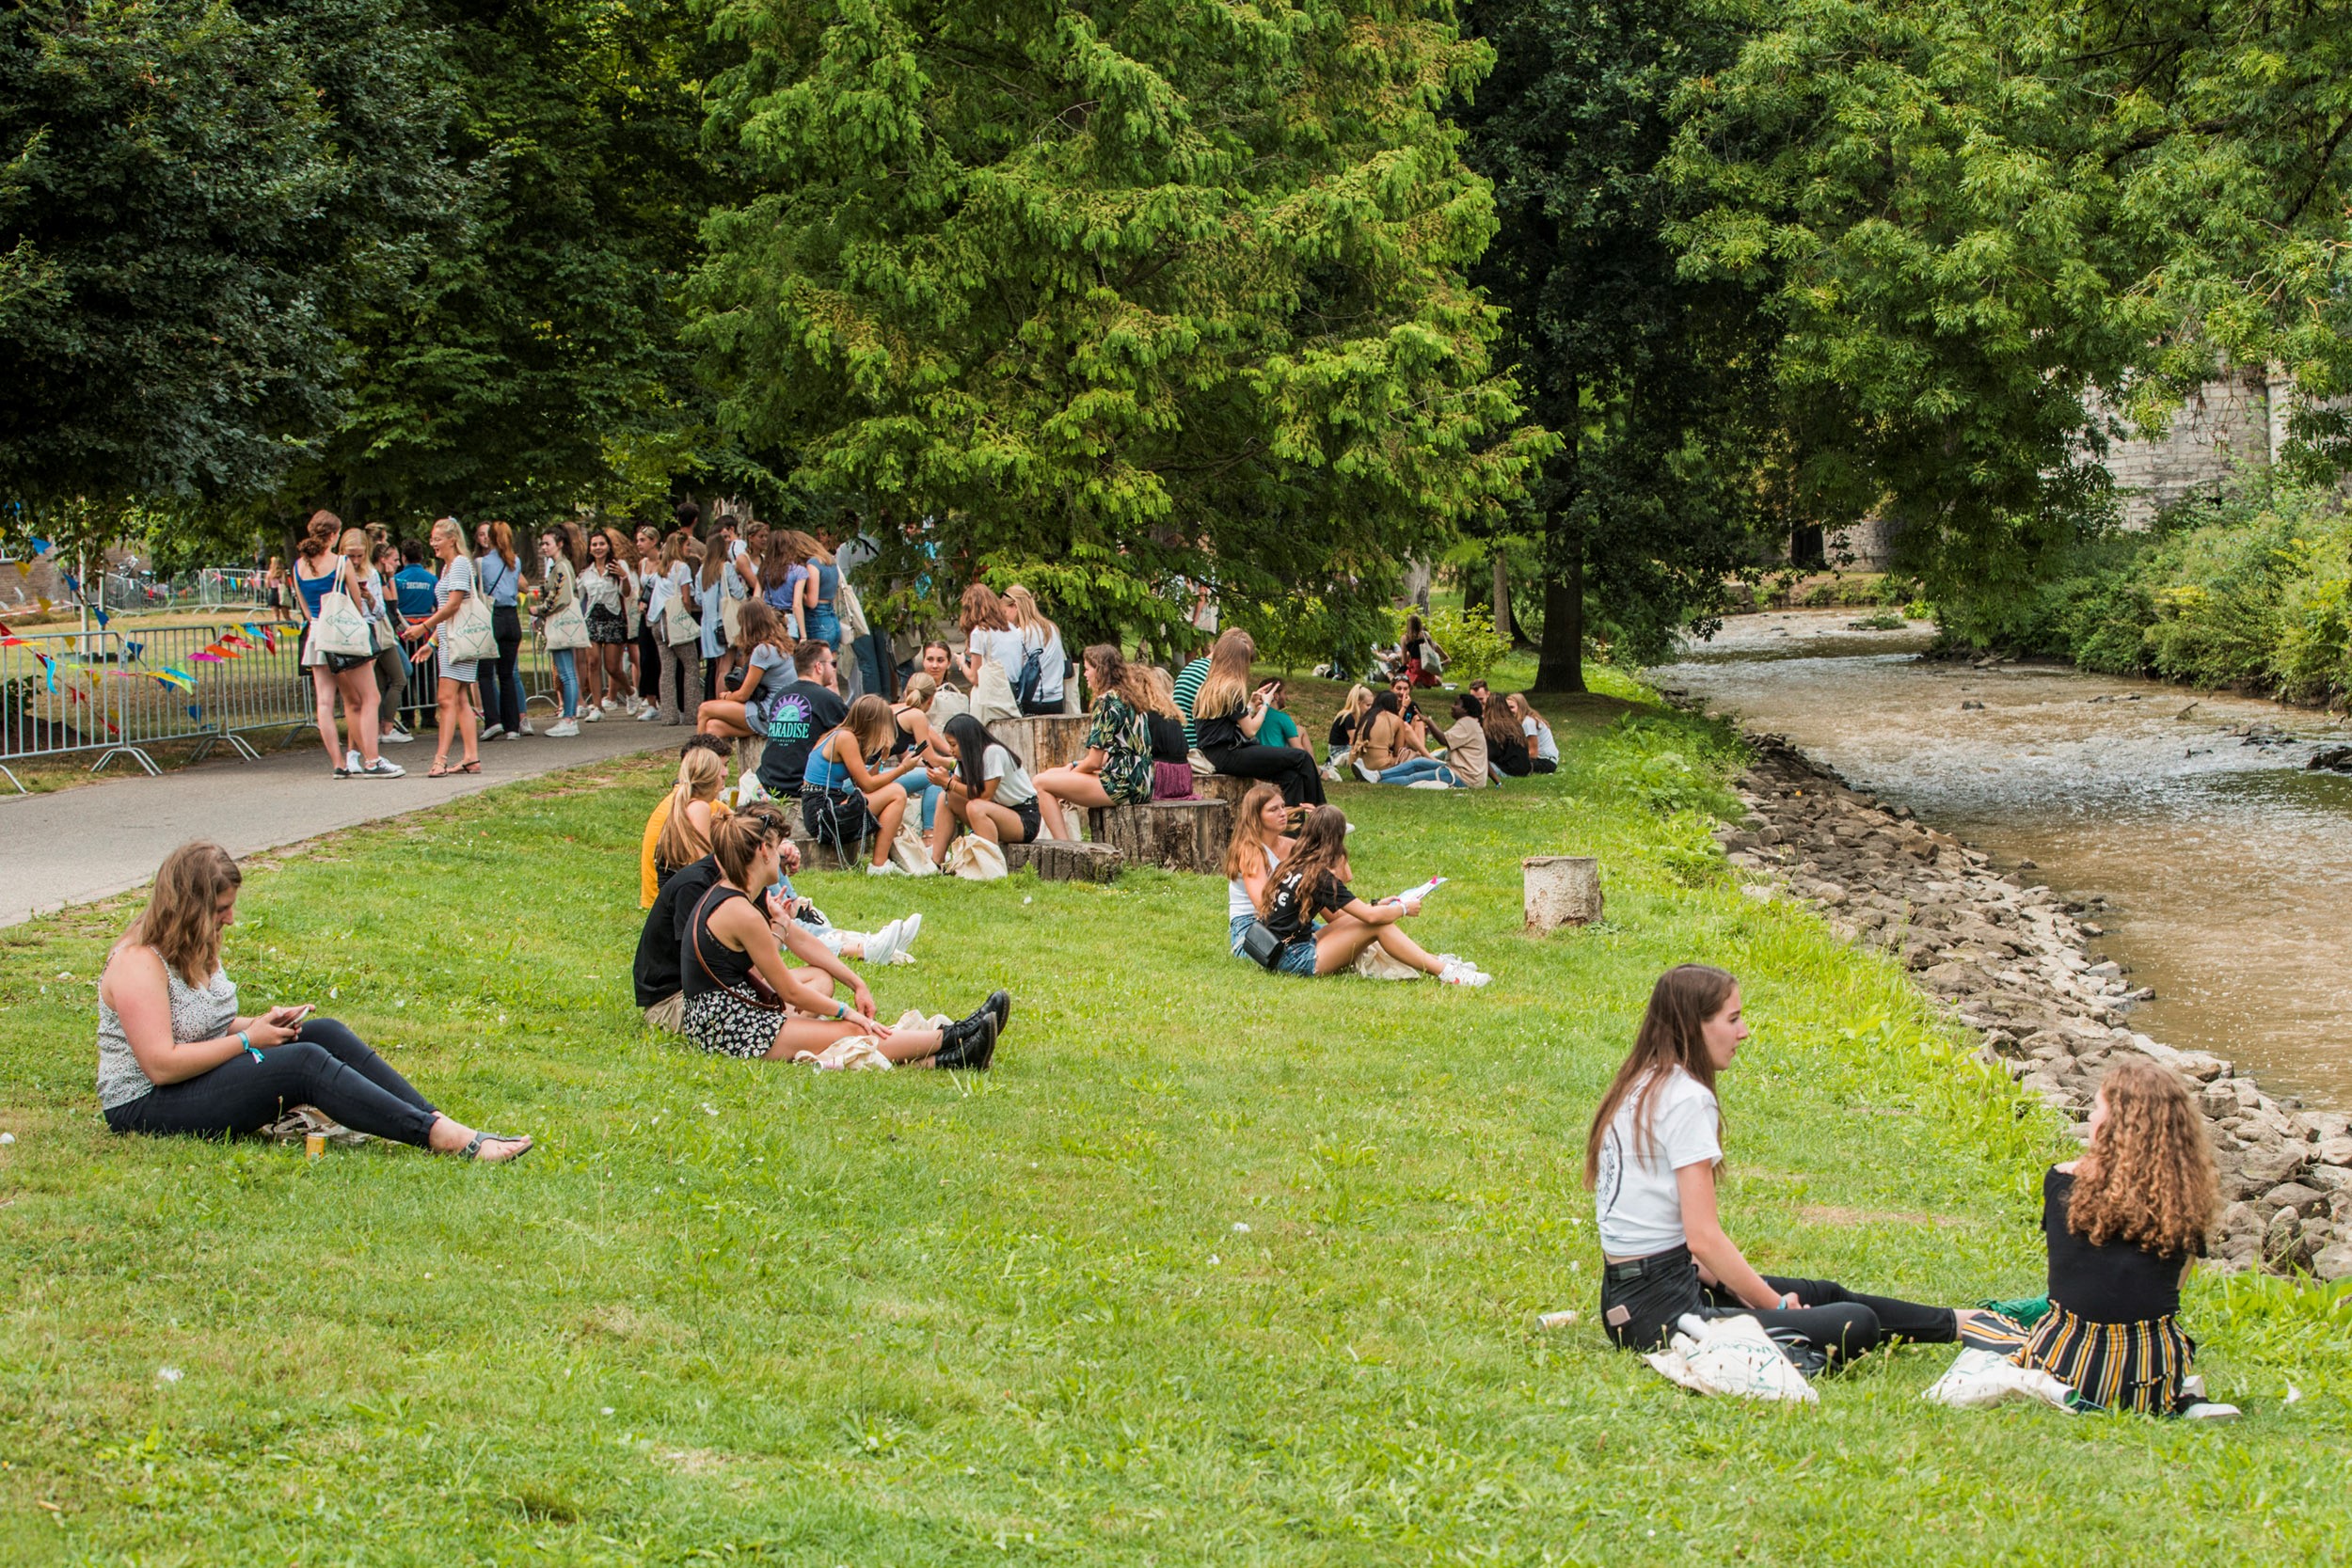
{"x": 470, "y": 635}
{"x": 342, "y": 629}
{"x": 679, "y": 623}
{"x": 567, "y": 628}
{"x": 975, "y": 860}
{"x": 993, "y": 698}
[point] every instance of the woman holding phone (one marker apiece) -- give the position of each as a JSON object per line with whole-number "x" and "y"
{"x": 175, "y": 1056}
{"x": 1228, "y": 718}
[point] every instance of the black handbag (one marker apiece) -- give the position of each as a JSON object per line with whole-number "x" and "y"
{"x": 1260, "y": 944}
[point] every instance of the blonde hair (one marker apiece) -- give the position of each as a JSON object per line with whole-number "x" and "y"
{"x": 1226, "y": 688}
{"x": 1163, "y": 689}
{"x": 1246, "y": 850}
{"x": 181, "y": 922}
{"x": 1358, "y": 707}
{"x": 2148, "y": 1176}
{"x": 457, "y": 531}
{"x": 700, "y": 777}
{"x": 1027, "y": 616}
{"x": 919, "y": 691}
{"x": 875, "y": 727}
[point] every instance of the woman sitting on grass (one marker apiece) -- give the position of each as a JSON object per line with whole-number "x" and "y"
{"x": 1229, "y": 716}
{"x": 844, "y": 793}
{"x": 1116, "y": 770}
{"x": 1542, "y": 748}
{"x": 1651, "y": 1158}
{"x": 695, "y": 804}
{"x": 1506, "y": 748}
{"x": 988, "y": 791}
{"x": 1261, "y": 838}
{"x": 1387, "y": 753}
{"x": 2124, "y": 1225}
{"x": 174, "y": 1055}
{"x": 742, "y": 1000}
{"x": 1312, "y": 880}
{"x": 1339, "y": 749}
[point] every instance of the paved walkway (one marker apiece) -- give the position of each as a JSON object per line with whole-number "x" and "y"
{"x": 74, "y": 845}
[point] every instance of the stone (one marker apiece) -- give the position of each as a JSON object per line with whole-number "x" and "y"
{"x": 1560, "y": 889}
{"x": 2284, "y": 1244}
{"x": 2307, "y": 1201}
{"x": 2334, "y": 1263}
{"x": 2329, "y": 1178}
{"x": 1952, "y": 977}
{"x": 2335, "y": 1150}
{"x": 2268, "y": 1164}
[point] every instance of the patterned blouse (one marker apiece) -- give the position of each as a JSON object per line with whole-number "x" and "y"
{"x": 198, "y": 1013}
{"x": 1119, "y": 733}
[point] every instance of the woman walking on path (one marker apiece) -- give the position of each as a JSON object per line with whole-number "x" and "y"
{"x": 320, "y": 569}
{"x": 559, "y": 620}
{"x": 500, "y": 575}
{"x": 1650, "y": 1159}
{"x": 1227, "y": 716}
{"x": 449, "y": 592}
{"x": 1116, "y": 770}
{"x": 609, "y": 589}
{"x": 175, "y": 1056}
{"x": 731, "y": 951}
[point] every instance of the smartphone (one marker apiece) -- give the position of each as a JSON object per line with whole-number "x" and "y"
{"x": 301, "y": 1012}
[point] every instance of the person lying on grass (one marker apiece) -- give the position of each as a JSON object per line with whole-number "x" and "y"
{"x": 175, "y": 1056}
{"x": 1312, "y": 880}
{"x": 1262, "y": 839}
{"x": 798, "y": 927}
{"x": 2124, "y": 1225}
{"x": 742, "y": 1000}
{"x": 988, "y": 791}
{"x": 1651, "y": 1158}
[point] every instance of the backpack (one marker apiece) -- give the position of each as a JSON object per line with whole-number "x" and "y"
{"x": 1032, "y": 676}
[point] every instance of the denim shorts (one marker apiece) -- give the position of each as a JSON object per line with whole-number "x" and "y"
{"x": 1297, "y": 958}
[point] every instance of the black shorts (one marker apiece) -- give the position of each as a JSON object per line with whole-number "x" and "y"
{"x": 837, "y": 816}
{"x": 1030, "y": 819}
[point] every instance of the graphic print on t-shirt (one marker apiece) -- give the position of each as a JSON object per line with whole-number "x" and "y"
{"x": 1607, "y": 1173}
{"x": 788, "y": 719}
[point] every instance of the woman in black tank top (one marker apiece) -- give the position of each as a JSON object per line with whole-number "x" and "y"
{"x": 740, "y": 999}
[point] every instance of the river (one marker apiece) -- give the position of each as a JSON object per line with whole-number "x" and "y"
{"x": 2226, "y": 867}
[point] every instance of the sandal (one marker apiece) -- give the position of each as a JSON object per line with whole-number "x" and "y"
{"x": 473, "y": 767}
{"x": 440, "y": 770}
{"x": 473, "y": 1145}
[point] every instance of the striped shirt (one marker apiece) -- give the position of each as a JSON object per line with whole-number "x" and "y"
{"x": 1188, "y": 681}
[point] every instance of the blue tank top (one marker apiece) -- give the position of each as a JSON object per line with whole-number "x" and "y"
{"x": 314, "y": 590}
{"x": 828, "y": 579}
{"x": 823, "y": 772}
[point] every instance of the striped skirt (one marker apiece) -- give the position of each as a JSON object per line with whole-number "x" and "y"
{"x": 2135, "y": 1366}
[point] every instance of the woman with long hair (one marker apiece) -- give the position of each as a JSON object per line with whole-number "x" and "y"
{"x": 1171, "y": 753}
{"x": 1385, "y": 752}
{"x": 763, "y": 656}
{"x": 1466, "y": 743}
{"x": 2124, "y": 1225}
{"x": 815, "y": 594}
{"x": 1342, "y": 744}
{"x": 322, "y": 568}
{"x": 1116, "y": 767}
{"x": 1312, "y": 880}
{"x": 1420, "y": 667}
{"x": 644, "y": 635}
{"x": 607, "y": 589}
{"x": 742, "y": 1000}
{"x": 847, "y": 791}
{"x": 175, "y": 1056}
{"x": 1650, "y": 1159}
{"x": 725, "y": 577}
{"x": 1261, "y": 837}
{"x": 919, "y": 737}
{"x": 677, "y": 665}
{"x": 1227, "y": 715}
{"x": 1506, "y": 748}
{"x": 456, "y": 710}
{"x": 987, "y": 790}
{"x": 1040, "y": 650}
{"x": 1543, "y": 748}
{"x": 695, "y": 804}
{"x": 991, "y": 655}
{"x": 781, "y": 570}
{"x": 559, "y": 597}
{"x": 500, "y": 575}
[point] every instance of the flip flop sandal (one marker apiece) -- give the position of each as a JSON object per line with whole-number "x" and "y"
{"x": 440, "y": 772}
{"x": 473, "y": 1147}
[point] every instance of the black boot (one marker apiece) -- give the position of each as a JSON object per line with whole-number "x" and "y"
{"x": 970, "y": 1045}
{"x": 1000, "y": 1003}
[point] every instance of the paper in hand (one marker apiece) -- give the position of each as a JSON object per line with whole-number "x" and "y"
{"x": 1417, "y": 894}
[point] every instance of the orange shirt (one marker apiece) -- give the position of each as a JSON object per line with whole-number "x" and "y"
{"x": 647, "y": 883}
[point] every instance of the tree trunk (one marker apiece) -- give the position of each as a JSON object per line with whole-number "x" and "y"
{"x": 1561, "y": 666}
{"x": 1502, "y": 599}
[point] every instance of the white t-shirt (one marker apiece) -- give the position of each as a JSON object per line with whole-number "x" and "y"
{"x": 1547, "y": 749}
{"x": 1634, "y": 1198}
{"x": 1004, "y": 647}
{"x": 1051, "y": 659}
{"x": 1013, "y": 787}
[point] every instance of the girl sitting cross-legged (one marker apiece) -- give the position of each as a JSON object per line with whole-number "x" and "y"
{"x": 740, "y": 999}
{"x": 988, "y": 791}
{"x": 1387, "y": 752}
{"x": 844, "y": 795}
{"x": 175, "y": 1056}
{"x": 1312, "y": 880}
{"x": 1651, "y": 1158}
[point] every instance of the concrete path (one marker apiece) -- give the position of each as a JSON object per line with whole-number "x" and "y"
{"x": 74, "y": 845}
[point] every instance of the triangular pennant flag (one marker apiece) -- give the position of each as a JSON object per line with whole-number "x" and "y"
{"x": 100, "y": 611}
{"x": 132, "y": 651}
{"x": 40, "y": 545}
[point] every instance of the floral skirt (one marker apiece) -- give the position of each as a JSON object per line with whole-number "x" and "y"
{"x": 607, "y": 625}
{"x": 728, "y": 1025}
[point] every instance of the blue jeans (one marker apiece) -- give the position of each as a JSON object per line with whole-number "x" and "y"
{"x": 1419, "y": 768}
{"x": 824, "y": 625}
{"x": 870, "y": 661}
{"x": 932, "y": 793}
{"x": 568, "y": 676}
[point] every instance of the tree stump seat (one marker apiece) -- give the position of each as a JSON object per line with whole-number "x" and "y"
{"x": 1051, "y": 740}
{"x": 1061, "y": 859}
{"x": 1181, "y": 835}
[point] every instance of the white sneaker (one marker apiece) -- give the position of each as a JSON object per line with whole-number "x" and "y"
{"x": 512, "y": 735}
{"x": 610, "y": 705}
{"x": 648, "y": 714}
{"x": 1366, "y": 774}
{"x": 883, "y": 947}
{"x": 590, "y": 713}
{"x": 395, "y": 737}
{"x": 1459, "y": 974}
{"x": 1429, "y": 784}
{"x": 527, "y": 729}
{"x": 906, "y": 931}
{"x": 351, "y": 760}
{"x": 562, "y": 729}
{"x": 888, "y": 868}
{"x": 491, "y": 732}
{"x": 1330, "y": 775}
{"x": 379, "y": 768}
{"x": 2208, "y": 1410}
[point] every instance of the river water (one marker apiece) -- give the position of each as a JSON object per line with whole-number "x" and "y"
{"x": 2227, "y": 868}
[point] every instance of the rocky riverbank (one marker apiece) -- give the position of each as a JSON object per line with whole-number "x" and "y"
{"x": 2016, "y": 964}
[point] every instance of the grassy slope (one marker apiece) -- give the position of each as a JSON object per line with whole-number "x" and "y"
{"x": 903, "y": 1319}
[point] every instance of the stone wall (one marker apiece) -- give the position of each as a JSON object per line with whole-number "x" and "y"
{"x": 2236, "y": 422}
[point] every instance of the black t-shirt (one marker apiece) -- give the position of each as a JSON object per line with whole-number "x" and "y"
{"x": 1292, "y": 912}
{"x": 797, "y": 717}
{"x": 658, "y": 971}
{"x": 1508, "y": 754}
{"x": 1221, "y": 732}
{"x": 1167, "y": 739}
{"x": 2118, "y": 1283}
{"x": 1343, "y": 729}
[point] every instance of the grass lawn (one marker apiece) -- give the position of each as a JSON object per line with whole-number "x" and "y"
{"x": 1215, "y": 1268}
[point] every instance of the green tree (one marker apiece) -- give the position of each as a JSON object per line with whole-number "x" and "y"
{"x": 1173, "y": 291}
{"x": 1660, "y": 493}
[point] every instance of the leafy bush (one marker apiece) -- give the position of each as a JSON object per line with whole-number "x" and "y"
{"x": 1472, "y": 648}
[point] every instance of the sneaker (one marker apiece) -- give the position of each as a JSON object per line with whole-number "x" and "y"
{"x": 562, "y": 729}
{"x": 395, "y": 737}
{"x": 379, "y": 768}
{"x": 350, "y": 761}
{"x": 527, "y": 729}
{"x": 1330, "y": 774}
{"x": 590, "y": 713}
{"x": 1366, "y": 774}
{"x": 883, "y": 947}
{"x": 1429, "y": 784}
{"x": 1459, "y": 974}
{"x": 512, "y": 735}
{"x": 491, "y": 732}
{"x": 888, "y": 868}
{"x": 648, "y": 714}
{"x": 2209, "y": 1410}
{"x": 610, "y": 705}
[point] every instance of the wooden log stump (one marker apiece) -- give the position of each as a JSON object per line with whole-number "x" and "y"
{"x": 1052, "y": 740}
{"x": 1560, "y": 890}
{"x": 1182, "y": 835}
{"x": 1228, "y": 787}
{"x": 748, "y": 751}
{"x": 1061, "y": 859}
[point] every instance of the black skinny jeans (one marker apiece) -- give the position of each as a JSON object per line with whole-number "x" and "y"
{"x": 326, "y": 1064}
{"x": 648, "y": 662}
{"x": 1654, "y": 1292}
{"x": 1300, "y": 779}
{"x": 502, "y": 689}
